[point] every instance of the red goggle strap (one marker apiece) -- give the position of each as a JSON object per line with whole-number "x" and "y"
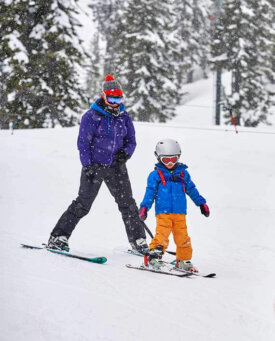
{"x": 161, "y": 177}
{"x": 182, "y": 176}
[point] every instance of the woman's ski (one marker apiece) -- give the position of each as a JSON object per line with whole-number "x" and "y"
{"x": 98, "y": 260}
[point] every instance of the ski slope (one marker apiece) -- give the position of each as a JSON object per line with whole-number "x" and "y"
{"x": 50, "y": 297}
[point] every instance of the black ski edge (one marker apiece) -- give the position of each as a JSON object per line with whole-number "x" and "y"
{"x": 32, "y": 247}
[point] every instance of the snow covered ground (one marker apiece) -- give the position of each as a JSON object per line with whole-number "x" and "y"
{"x": 49, "y": 297}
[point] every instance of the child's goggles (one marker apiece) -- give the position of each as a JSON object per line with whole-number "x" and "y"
{"x": 168, "y": 159}
{"x": 114, "y": 100}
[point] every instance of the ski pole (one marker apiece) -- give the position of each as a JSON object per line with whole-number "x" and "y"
{"x": 233, "y": 120}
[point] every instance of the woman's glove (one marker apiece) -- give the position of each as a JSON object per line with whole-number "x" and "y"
{"x": 121, "y": 156}
{"x": 205, "y": 210}
{"x": 143, "y": 213}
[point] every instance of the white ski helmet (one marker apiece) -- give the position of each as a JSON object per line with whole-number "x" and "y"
{"x": 167, "y": 147}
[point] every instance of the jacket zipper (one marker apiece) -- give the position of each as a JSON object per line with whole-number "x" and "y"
{"x": 115, "y": 129}
{"x": 172, "y": 191}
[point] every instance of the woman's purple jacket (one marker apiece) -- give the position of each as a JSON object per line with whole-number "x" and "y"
{"x": 101, "y": 135}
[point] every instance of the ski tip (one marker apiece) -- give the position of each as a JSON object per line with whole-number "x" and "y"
{"x": 99, "y": 260}
{"x": 211, "y": 275}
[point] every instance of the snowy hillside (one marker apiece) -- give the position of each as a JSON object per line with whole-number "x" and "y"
{"x": 49, "y": 297}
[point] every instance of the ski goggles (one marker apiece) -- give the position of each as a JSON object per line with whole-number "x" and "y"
{"x": 114, "y": 100}
{"x": 168, "y": 159}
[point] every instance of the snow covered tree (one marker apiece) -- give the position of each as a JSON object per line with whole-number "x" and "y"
{"x": 193, "y": 34}
{"x": 103, "y": 44}
{"x": 242, "y": 45}
{"x": 95, "y": 67}
{"x": 143, "y": 62}
{"x": 106, "y": 14}
{"x": 153, "y": 49}
{"x": 9, "y": 54}
{"x": 41, "y": 48}
{"x": 272, "y": 77}
{"x": 265, "y": 21}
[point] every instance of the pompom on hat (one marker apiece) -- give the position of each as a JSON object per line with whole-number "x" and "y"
{"x": 110, "y": 87}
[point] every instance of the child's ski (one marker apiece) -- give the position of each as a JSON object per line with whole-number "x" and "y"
{"x": 98, "y": 260}
{"x": 170, "y": 272}
{"x": 200, "y": 274}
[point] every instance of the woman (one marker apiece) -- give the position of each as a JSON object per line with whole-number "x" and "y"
{"x": 106, "y": 141}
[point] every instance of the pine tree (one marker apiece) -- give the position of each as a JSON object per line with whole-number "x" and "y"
{"x": 241, "y": 43}
{"x": 42, "y": 50}
{"x": 193, "y": 34}
{"x": 103, "y": 44}
{"x": 265, "y": 22}
{"x": 272, "y": 48}
{"x": 10, "y": 55}
{"x": 95, "y": 68}
{"x": 143, "y": 58}
{"x": 106, "y": 13}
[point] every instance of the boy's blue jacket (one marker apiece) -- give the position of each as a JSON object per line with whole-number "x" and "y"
{"x": 170, "y": 198}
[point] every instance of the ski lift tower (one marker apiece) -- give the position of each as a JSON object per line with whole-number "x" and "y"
{"x": 218, "y": 4}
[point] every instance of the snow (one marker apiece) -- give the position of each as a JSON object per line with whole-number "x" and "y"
{"x": 50, "y": 297}
{"x": 14, "y": 43}
{"x": 38, "y": 31}
{"x": 247, "y": 11}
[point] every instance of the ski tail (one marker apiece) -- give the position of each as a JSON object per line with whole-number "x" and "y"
{"x": 32, "y": 247}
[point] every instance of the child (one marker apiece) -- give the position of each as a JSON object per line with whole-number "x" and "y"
{"x": 168, "y": 184}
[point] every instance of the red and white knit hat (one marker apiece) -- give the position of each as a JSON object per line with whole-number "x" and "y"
{"x": 110, "y": 87}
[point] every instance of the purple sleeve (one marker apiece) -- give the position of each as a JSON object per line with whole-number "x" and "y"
{"x": 85, "y": 137}
{"x": 130, "y": 138}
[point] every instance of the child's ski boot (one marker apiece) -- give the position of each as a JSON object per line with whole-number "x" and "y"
{"x": 153, "y": 259}
{"x": 186, "y": 265}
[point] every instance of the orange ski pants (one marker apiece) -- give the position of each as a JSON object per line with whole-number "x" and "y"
{"x": 175, "y": 223}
